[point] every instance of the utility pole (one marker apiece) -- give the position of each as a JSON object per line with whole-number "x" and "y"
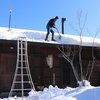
{"x": 9, "y": 19}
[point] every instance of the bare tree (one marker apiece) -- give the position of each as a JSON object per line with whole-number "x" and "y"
{"x": 78, "y": 49}
{"x": 93, "y": 58}
{"x": 69, "y": 52}
{"x": 80, "y": 34}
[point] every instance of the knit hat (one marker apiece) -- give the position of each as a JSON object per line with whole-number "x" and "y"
{"x": 56, "y": 17}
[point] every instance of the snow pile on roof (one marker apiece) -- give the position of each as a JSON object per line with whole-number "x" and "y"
{"x": 39, "y": 36}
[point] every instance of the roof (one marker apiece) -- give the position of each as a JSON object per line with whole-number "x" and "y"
{"x": 39, "y": 37}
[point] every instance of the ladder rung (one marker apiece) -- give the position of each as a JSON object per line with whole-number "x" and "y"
{"x": 22, "y": 67}
{"x": 23, "y": 82}
{"x": 23, "y": 74}
{"x": 22, "y": 54}
{"x": 22, "y": 61}
{"x": 20, "y": 89}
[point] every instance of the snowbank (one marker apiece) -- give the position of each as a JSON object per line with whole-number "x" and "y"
{"x": 87, "y": 92}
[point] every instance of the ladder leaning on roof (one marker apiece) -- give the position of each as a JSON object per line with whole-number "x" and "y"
{"x": 22, "y": 81}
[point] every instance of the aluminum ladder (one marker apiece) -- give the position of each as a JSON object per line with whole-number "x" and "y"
{"x": 22, "y": 82}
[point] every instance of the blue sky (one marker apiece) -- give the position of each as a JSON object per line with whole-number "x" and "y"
{"x": 34, "y": 14}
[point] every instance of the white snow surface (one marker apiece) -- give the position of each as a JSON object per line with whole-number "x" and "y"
{"x": 87, "y": 92}
{"x": 39, "y": 36}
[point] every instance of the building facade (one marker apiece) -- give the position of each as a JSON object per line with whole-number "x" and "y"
{"x": 41, "y": 74}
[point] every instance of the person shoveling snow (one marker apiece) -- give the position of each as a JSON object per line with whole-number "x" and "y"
{"x": 50, "y": 25}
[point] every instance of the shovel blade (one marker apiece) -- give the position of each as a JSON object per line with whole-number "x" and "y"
{"x": 60, "y": 37}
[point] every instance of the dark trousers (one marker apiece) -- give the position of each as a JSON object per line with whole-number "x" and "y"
{"x": 49, "y": 29}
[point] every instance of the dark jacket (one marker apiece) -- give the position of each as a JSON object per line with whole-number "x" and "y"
{"x": 51, "y": 22}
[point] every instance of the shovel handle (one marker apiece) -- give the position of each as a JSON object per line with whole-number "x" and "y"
{"x": 58, "y": 32}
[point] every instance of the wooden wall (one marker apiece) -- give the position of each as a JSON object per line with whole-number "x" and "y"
{"x": 42, "y": 75}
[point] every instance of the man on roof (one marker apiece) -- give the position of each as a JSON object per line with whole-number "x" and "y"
{"x": 50, "y": 25}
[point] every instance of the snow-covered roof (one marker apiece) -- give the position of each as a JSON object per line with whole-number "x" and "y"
{"x": 39, "y": 36}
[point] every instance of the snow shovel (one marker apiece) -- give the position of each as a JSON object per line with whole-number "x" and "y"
{"x": 59, "y": 34}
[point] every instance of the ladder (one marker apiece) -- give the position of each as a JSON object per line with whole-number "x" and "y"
{"x": 22, "y": 82}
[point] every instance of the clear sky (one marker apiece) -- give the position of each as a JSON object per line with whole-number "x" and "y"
{"x": 34, "y": 14}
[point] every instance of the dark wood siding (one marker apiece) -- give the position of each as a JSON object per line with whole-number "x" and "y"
{"x": 42, "y": 75}
{"x": 7, "y": 69}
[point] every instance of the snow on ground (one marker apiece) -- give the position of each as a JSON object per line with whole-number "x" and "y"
{"x": 39, "y": 36}
{"x": 87, "y": 92}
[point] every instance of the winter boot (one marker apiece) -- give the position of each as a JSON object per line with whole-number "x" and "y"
{"x": 46, "y": 39}
{"x": 53, "y": 39}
